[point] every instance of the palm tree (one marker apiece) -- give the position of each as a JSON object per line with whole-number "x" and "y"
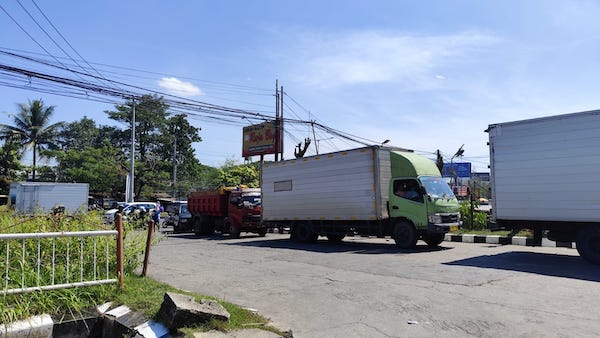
{"x": 31, "y": 129}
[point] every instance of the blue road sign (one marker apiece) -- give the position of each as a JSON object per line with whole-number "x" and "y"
{"x": 457, "y": 169}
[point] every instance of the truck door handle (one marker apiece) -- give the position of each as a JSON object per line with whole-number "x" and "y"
{"x": 395, "y": 207}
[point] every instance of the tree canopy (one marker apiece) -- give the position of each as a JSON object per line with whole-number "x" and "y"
{"x": 32, "y": 129}
{"x": 83, "y": 151}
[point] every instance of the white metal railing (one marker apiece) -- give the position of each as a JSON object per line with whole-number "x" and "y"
{"x": 82, "y": 259}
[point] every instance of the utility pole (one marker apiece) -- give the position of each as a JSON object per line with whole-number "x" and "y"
{"x": 174, "y": 167}
{"x": 131, "y": 194}
{"x": 312, "y": 123}
{"x": 280, "y": 125}
{"x": 276, "y": 120}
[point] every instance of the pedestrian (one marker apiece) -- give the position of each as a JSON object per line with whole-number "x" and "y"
{"x": 156, "y": 216}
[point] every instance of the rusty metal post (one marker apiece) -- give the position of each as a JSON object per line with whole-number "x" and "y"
{"x": 148, "y": 244}
{"x": 119, "y": 226}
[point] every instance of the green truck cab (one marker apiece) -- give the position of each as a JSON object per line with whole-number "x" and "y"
{"x": 421, "y": 203}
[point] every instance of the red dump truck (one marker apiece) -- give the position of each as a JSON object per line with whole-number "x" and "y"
{"x": 227, "y": 210}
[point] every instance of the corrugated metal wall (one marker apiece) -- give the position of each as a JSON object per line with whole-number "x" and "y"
{"x": 336, "y": 186}
{"x": 547, "y": 169}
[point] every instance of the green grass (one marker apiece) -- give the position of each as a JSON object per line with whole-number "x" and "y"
{"x": 144, "y": 295}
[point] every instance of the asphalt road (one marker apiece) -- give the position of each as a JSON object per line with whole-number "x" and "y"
{"x": 367, "y": 288}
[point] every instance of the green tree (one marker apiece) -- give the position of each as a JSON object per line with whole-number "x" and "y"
{"x": 10, "y": 164}
{"x": 232, "y": 174}
{"x": 162, "y": 141}
{"x": 103, "y": 168}
{"x": 79, "y": 135}
{"x": 150, "y": 123}
{"x": 178, "y": 150}
{"x": 32, "y": 128}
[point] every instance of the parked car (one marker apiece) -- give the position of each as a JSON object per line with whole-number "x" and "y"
{"x": 129, "y": 209}
{"x": 179, "y": 217}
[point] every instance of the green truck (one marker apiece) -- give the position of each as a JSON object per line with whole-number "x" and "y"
{"x": 370, "y": 191}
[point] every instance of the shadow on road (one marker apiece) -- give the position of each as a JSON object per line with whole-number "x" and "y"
{"x": 538, "y": 263}
{"x": 325, "y": 246}
{"x": 215, "y": 237}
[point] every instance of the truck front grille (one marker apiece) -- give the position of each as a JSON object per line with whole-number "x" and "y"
{"x": 450, "y": 218}
{"x": 253, "y": 218}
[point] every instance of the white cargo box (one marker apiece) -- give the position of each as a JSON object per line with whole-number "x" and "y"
{"x": 546, "y": 169}
{"x": 346, "y": 185}
{"x": 32, "y": 197}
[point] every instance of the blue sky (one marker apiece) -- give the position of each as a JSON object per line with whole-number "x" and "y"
{"x": 426, "y": 75}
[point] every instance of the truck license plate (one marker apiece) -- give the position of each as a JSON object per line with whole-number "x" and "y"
{"x": 454, "y": 228}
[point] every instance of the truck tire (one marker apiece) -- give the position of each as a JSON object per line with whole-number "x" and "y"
{"x": 208, "y": 226}
{"x": 234, "y": 231}
{"x": 335, "y": 238}
{"x": 262, "y": 232}
{"x": 405, "y": 235}
{"x": 197, "y": 226}
{"x": 303, "y": 233}
{"x": 433, "y": 240}
{"x": 588, "y": 243}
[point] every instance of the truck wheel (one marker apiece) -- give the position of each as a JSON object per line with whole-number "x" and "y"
{"x": 588, "y": 243}
{"x": 405, "y": 235}
{"x": 197, "y": 227}
{"x": 335, "y": 238}
{"x": 262, "y": 232}
{"x": 433, "y": 240}
{"x": 304, "y": 233}
{"x": 234, "y": 232}
{"x": 208, "y": 229}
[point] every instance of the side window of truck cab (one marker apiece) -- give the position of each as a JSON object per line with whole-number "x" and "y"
{"x": 408, "y": 189}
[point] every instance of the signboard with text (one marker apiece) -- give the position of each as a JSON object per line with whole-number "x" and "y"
{"x": 458, "y": 169}
{"x": 259, "y": 139}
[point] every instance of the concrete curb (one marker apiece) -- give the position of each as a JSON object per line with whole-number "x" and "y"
{"x": 505, "y": 240}
{"x": 37, "y": 326}
{"x": 119, "y": 321}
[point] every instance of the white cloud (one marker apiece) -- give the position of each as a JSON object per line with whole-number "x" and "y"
{"x": 178, "y": 87}
{"x": 377, "y": 57}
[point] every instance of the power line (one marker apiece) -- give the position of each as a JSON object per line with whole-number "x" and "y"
{"x": 67, "y": 42}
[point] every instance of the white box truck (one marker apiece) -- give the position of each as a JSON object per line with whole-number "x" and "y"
{"x": 545, "y": 176}
{"x": 371, "y": 191}
{"x": 33, "y": 197}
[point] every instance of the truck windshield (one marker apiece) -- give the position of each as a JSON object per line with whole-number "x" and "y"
{"x": 436, "y": 187}
{"x": 252, "y": 200}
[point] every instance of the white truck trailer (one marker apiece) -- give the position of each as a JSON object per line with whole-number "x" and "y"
{"x": 371, "y": 191}
{"x": 32, "y": 197}
{"x": 545, "y": 176}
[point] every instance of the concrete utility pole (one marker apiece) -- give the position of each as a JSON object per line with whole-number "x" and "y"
{"x": 174, "y": 167}
{"x": 131, "y": 194}
{"x": 280, "y": 125}
{"x": 276, "y": 120}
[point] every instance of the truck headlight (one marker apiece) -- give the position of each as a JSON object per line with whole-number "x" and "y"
{"x": 435, "y": 219}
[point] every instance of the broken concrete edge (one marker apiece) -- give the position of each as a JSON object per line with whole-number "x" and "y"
{"x": 180, "y": 310}
{"x": 121, "y": 320}
{"x": 45, "y": 326}
{"x": 505, "y": 240}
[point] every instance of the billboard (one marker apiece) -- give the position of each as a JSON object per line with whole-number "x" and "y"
{"x": 259, "y": 139}
{"x": 457, "y": 169}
